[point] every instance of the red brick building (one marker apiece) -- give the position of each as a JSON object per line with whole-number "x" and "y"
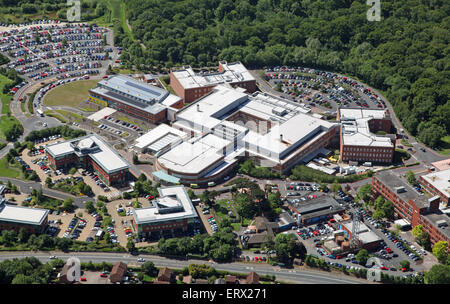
{"x": 33, "y": 220}
{"x": 136, "y": 98}
{"x": 359, "y": 140}
{"x": 190, "y": 85}
{"x": 437, "y": 183}
{"x": 90, "y": 153}
{"x": 410, "y": 205}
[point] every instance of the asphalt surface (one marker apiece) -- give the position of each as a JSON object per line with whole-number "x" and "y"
{"x": 27, "y": 187}
{"x": 294, "y": 275}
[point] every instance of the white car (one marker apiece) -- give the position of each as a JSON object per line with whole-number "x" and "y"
{"x": 52, "y": 257}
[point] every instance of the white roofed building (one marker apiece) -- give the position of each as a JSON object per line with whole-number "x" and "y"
{"x": 359, "y": 140}
{"x": 136, "y": 98}
{"x": 191, "y": 86}
{"x": 89, "y": 152}
{"x": 171, "y": 211}
{"x": 227, "y": 124}
{"x": 14, "y": 217}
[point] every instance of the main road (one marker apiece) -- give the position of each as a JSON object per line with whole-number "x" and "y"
{"x": 291, "y": 275}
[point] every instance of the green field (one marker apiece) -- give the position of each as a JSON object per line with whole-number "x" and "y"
{"x": 444, "y": 145}
{"x": 6, "y": 99}
{"x": 5, "y": 123}
{"x": 8, "y": 171}
{"x": 71, "y": 94}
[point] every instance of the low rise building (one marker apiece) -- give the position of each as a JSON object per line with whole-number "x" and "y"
{"x": 33, "y": 220}
{"x": 136, "y": 98}
{"x": 316, "y": 210}
{"x": 358, "y": 138}
{"x": 228, "y": 124}
{"x": 416, "y": 208}
{"x": 367, "y": 239}
{"x": 91, "y": 153}
{"x": 191, "y": 86}
{"x": 172, "y": 210}
{"x": 118, "y": 272}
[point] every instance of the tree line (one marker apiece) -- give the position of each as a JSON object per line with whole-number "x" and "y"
{"x": 405, "y": 54}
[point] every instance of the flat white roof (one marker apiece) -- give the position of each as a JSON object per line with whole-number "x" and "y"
{"x": 60, "y": 148}
{"x": 170, "y": 197}
{"x": 440, "y": 180}
{"x": 105, "y": 156}
{"x": 157, "y": 134}
{"x": 208, "y": 110}
{"x": 192, "y": 158}
{"x": 102, "y": 113}
{"x": 25, "y": 215}
{"x": 355, "y": 128}
{"x": 233, "y": 72}
{"x": 365, "y": 235}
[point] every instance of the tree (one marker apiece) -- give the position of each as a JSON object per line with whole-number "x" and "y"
{"x": 48, "y": 181}
{"x": 285, "y": 247}
{"x": 365, "y": 192}
{"x": 410, "y": 177}
{"x": 438, "y": 274}
{"x": 362, "y": 256}
{"x": 440, "y": 251}
{"x": 244, "y": 205}
{"x": 68, "y": 205}
{"x": 335, "y": 186}
{"x": 130, "y": 245}
{"x": 405, "y": 264}
{"x": 72, "y": 171}
{"x": 148, "y": 268}
{"x": 421, "y": 236}
{"x": 89, "y": 207}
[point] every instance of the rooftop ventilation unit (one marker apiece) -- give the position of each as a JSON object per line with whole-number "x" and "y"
{"x": 400, "y": 189}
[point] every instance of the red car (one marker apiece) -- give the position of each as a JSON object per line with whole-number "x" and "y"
{"x": 404, "y": 269}
{"x": 104, "y": 275}
{"x": 389, "y": 250}
{"x": 83, "y": 279}
{"x": 384, "y": 268}
{"x": 339, "y": 257}
{"x": 332, "y": 221}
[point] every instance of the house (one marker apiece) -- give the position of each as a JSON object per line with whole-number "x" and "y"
{"x": 231, "y": 279}
{"x": 118, "y": 271}
{"x": 252, "y": 278}
{"x": 165, "y": 276}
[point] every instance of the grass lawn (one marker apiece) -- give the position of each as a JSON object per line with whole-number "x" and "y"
{"x": 87, "y": 109}
{"x": 407, "y": 144}
{"x": 22, "y": 105}
{"x": 167, "y": 86}
{"x": 5, "y": 123}
{"x": 6, "y": 99}
{"x": 71, "y": 94}
{"x": 54, "y": 115}
{"x": 68, "y": 113}
{"x": 7, "y": 170}
{"x": 444, "y": 145}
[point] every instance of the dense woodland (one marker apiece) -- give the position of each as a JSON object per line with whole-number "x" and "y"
{"x": 406, "y": 54}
